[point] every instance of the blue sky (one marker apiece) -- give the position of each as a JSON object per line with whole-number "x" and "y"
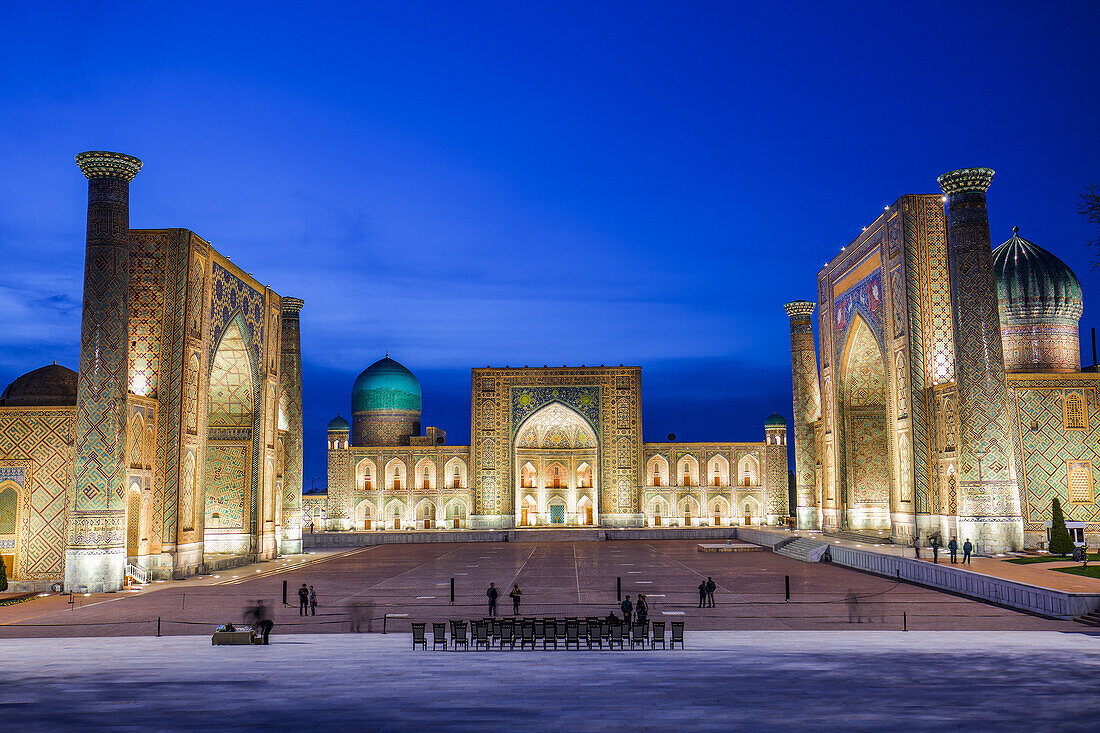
{"x": 534, "y": 183}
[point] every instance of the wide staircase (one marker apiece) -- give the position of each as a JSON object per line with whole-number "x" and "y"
{"x": 801, "y": 548}
{"x": 1092, "y": 618}
{"x": 869, "y": 536}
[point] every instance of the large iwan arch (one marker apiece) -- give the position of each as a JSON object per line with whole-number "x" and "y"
{"x": 556, "y": 469}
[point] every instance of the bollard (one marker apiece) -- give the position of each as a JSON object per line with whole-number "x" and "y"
{"x": 158, "y": 626}
{"x": 619, "y": 589}
{"x": 452, "y": 591}
{"x": 904, "y": 621}
{"x": 284, "y": 594}
{"x": 787, "y": 584}
{"x": 384, "y": 617}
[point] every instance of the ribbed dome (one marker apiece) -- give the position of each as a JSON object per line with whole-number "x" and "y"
{"x": 49, "y": 386}
{"x": 385, "y": 385}
{"x": 1033, "y": 284}
{"x": 775, "y": 421}
{"x": 338, "y": 423}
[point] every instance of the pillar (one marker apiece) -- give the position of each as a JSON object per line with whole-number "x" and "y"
{"x": 290, "y": 387}
{"x": 96, "y": 553}
{"x": 989, "y": 498}
{"x": 776, "y": 510}
{"x": 807, "y": 410}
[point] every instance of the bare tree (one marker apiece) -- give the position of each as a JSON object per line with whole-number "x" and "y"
{"x": 1090, "y": 209}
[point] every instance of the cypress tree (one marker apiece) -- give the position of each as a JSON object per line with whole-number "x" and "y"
{"x": 1060, "y": 543}
{"x": 3, "y": 576}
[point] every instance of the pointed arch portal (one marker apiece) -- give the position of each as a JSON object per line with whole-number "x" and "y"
{"x": 866, "y": 499}
{"x": 555, "y": 468}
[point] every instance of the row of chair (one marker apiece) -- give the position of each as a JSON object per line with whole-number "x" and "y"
{"x": 529, "y": 632}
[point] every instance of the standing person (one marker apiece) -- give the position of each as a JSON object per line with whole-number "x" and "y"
{"x": 514, "y": 595}
{"x": 935, "y": 549}
{"x": 303, "y": 600}
{"x": 492, "y": 595}
{"x": 627, "y": 608}
{"x": 967, "y": 549}
{"x": 711, "y": 587}
{"x": 916, "y": 547}
{"x": 312, "y": 601}
{"x": 641, "y": 610}
{"x": 953, "y": 548}
{"x": 702, "y": 593}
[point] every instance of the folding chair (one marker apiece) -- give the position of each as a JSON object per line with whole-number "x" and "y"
{"x": 658, "y": 635}
{"x": 458, "y": 635}
{"x": 638, "y": 635}
{"x": 551, "y": 633}
{"x": 507, "y": 634}
{"x": 481, "y": 635}
{"x": 616, "y": 636}
{"x": 527, "y": 634}
{"x": 572, "y": 634}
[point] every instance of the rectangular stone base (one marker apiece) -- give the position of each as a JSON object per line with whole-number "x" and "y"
{"x": 732, "y": 547}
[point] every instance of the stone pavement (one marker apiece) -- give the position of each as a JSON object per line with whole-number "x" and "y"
{"x": 558, "y": 579}
{"x": 758, "y": 681}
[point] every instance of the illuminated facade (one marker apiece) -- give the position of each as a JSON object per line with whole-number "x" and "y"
{"x": 549, "y": 447}
{"x": 949, "y": 397}
{"x": 178, "y": 443}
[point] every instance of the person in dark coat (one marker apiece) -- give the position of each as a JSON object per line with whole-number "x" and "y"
{"x": 702, "y": 593}
{"x": 967, "y": 549}
{"x": 303, "y": 600}
{"x": 953, "y": 548}
{"x": 312, "y": 601}
{"x": 628, "y": 609}
{"x": 711, "y": 587}
{"x": 515, "y": 596}
{"x": 641, "y": 610}
{"x": 258, "y": 615}
{"x": 492, "y": 594}
{"x": 935, "y": 549}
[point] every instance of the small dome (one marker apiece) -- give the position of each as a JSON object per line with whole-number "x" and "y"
{"x": 775, "y": 421}
{"x": 49, "y": 386}
{"x": 338, "y": 423}
{"x": 385, "y": 385}
{"x": 1033, "y": 284}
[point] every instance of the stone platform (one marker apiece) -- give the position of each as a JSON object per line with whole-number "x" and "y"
{"x": 731, "y": 547}
{"x": 758, "y": 681}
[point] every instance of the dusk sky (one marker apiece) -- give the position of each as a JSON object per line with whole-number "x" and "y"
{"x": 471, "y": 184}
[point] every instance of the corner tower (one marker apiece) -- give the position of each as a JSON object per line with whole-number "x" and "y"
{"x": 96, "y": 553}
{"x": 807, "y": 411}
{"x": 989, "y": 497}
{"x": 776, "y": 504}
{"x": 290, "y": 377}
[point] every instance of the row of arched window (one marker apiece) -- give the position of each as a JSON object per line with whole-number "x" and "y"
{"x": 396, "y": 477}
{"x": 717, "y": 472}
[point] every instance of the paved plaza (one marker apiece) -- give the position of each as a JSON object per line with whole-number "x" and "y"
{"x": 412, "y": 582}
{"x": 749, "y": 680}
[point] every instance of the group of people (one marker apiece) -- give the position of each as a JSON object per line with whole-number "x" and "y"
{"x": 706, "y": 592}
{"x": 307, "y": 601}
{"x": 636, "y": 612}
{"x": 952, "y": 547}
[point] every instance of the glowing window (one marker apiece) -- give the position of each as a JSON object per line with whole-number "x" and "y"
{"x": 1079, "y": 479}
{"x": 1074, "y": 412}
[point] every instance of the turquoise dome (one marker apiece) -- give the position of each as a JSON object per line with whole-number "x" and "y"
{"x": 775, "y": 421}
{"x": 338, "y": 423}
{"x": 1033, "y": 284}
{"x": 385, "y": 385}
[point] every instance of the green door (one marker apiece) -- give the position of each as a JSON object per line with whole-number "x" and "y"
{"x": 557, "y": 514}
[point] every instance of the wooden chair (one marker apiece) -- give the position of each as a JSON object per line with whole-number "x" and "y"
{"x": 638, "y": 635}
{"x": 481, "y": 635}
{"x": 572, "y": 634}
{"x": 677, "y": 634}
{"x": 551, "y": 633}
{"x": 507, "y": 634}
{"x": 605, "y": 631}
{"x": 419, "y": 637}
{"x": 561, "y": 629}
{"x": 616, "y": 636}
{"x": 582, "y": 628}
{"x": 439, "y": 635}
{"x": 458, "y": 635}
{"x": 527, "y": 634}
{"x": 658, "y": 635}
{"x": 540, "y": 628}
{"x": 595, "y": 638}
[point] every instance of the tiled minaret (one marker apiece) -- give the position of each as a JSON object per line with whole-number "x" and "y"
{"x": 989, "y": 498}
{"x": 96, "y": 554}
{"x": 291, "y": 389}
{"x": 807, "y": 410}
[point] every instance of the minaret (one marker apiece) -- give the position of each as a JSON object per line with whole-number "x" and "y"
{"x": 291, "y": 388}
{"x": 96, "y": 553}
{"x": 807, "y": 410}
{"x": 989, "y": 498}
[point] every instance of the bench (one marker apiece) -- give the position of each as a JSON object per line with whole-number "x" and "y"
{"x": 223, "y": 638}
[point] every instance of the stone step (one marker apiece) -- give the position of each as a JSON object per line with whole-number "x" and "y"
{"x": 1092, "y": 618}
{"x": 856, "y": 536}
{"x": 801, "y": 548}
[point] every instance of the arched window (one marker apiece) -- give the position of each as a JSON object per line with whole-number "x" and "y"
{"x": 657, "y": 471}
{"x": 689, "y": 471}
{"x": 1079, "y": 479}
{"x": 1076, "y": 416}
